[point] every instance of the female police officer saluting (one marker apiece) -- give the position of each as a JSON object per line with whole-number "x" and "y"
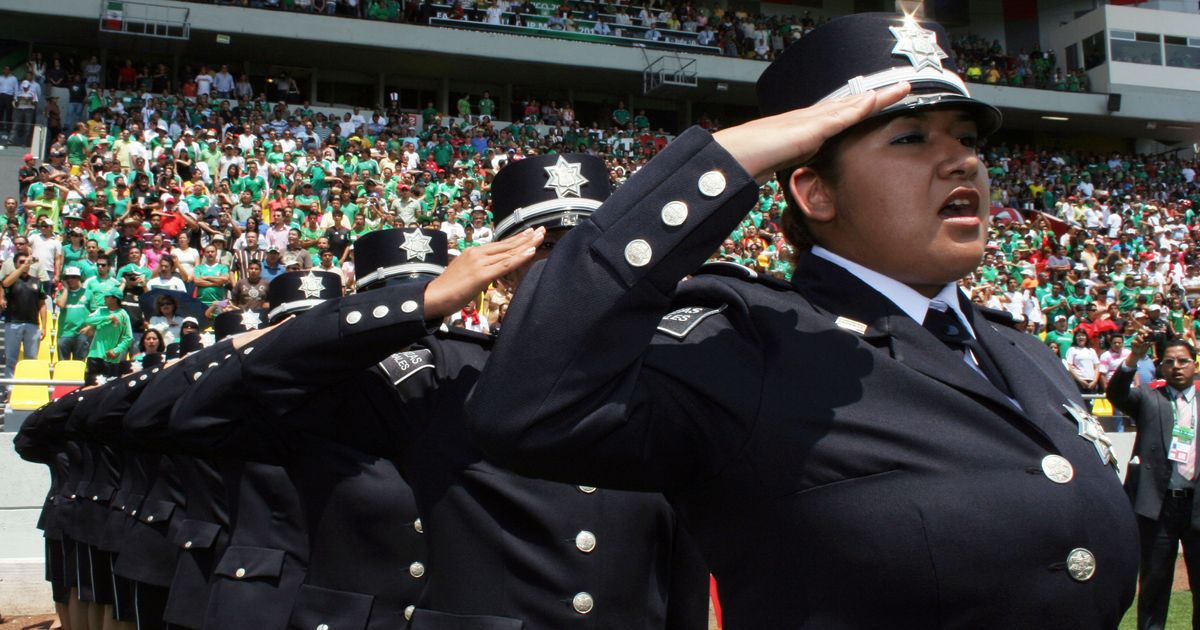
{"x": 862, "y": 447}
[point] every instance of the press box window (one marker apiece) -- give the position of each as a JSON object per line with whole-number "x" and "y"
{"x": 1093, "y": 50}
{"x": 1182, "y": 52}
{"x": 1131, "y": 47}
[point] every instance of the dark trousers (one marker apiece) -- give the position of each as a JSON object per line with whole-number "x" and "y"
{"x": 6, "y": 113}
{"x": 1160, "y": 545}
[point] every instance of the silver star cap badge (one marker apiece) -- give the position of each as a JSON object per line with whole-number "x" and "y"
{"x": 416, "y": 245}
{"x": 251, "y": 320}
{"x": 918, "y": 44}
{"x": 311, "y": 285}
{"x": 565, "y": 178}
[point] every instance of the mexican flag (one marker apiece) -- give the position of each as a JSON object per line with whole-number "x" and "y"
{"x": 114, "y": 15}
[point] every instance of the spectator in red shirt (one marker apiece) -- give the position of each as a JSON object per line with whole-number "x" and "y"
{"x": 1096, "y": 326}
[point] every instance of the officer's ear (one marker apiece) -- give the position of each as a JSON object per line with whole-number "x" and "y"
{"x": 813, "y": 194}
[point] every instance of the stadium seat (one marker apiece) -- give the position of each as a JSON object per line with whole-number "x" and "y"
{"x": 67, "y": 371}
{"x": 30, "y": 397}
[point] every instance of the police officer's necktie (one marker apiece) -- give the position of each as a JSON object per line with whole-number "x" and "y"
{"x": 946, "y": 326}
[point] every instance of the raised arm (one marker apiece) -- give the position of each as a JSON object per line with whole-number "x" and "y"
{"x": 1120, "y": 391}
{"x": 579, "y": 387}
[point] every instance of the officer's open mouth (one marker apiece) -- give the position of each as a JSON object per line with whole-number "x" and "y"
{"x": 963, "y": 203}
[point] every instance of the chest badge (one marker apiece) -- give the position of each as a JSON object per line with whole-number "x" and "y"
{"x": 1091, "y": 430}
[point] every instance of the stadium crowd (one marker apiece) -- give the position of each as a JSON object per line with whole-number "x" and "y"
{"x": 736, "y": 32}
{"x": 194, "y": 184}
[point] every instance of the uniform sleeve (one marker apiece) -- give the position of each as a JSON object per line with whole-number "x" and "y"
{"x": 147, "y": 420}
{"x": 332, "y": 342}
{"x": 579, "y": 387}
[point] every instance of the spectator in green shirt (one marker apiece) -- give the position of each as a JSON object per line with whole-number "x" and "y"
{"x": 211, "y": 277}
{"x": 1060, "y": 335}
{"x": 112, "y": 336}
{"x": 101, "y": 285}
{"x": 72, "y": 303}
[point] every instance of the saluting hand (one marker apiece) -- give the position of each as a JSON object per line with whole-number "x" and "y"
{"x": 470, "y": 274}
{"x": 775, "y": 143}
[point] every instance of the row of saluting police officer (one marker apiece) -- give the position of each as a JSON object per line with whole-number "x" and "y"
{"x": 861, "y": 447}
{"x": 274, "y": 479}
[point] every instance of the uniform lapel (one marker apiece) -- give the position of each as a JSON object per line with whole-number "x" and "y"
{"x": 839, "y": 293}
{"x": 1041, "y": 401}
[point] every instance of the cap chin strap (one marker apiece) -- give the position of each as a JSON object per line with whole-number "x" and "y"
{"x": 291, "y": 307}
{"x": 528, "y": 213}
{"x": 891, "y": 76}
{"x": 384, "y": 273}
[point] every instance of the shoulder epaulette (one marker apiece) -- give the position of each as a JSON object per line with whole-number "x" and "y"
{"x": 998, "y": 316}
{"x": 680, "y": 322}
{"x": 462, "y": 334}
{"x": 402, "y": 365}
{"x": 728, "y": 269}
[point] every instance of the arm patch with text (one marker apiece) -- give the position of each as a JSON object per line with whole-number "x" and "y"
{"x": 400, "y": 366}
{"x": 681, "y": 322}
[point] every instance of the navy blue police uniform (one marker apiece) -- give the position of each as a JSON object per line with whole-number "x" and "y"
{"x": 42, "y": 439}
{"x": 840, "y": 465}
{"x": 367, "y": 555}
{"x": 505, "y": 551}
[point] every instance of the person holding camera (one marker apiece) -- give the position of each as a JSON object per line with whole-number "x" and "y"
{"x": 1163, "y": 488}
{"x": 25, "y": 309}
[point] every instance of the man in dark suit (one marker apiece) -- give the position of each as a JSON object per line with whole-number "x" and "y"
{"x": 1164, "y": 490}
{"x": 863, "y": 429}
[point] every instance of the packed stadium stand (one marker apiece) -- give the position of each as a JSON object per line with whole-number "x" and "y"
{"x": 209, "y": 146}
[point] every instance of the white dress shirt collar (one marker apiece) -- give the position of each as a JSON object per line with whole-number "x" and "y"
{"x": 903, "y": 296}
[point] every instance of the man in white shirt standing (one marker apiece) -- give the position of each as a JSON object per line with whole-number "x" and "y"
{"x": 8, "y": 90}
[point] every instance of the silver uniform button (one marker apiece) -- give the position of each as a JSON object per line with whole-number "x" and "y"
{"x": 416, "y": 569}
{"x": 712, "y": 184}
{"x": 638, "y": 253}
{"x": 408, "y": 612}
{"x": 583, "y": 603}
{"x": 1057, "y": 469}
{"x": 133, "y": 513}
{"x": 323, "y": 626}
{"x": 213, "y": 364}
{"x": 248, "y": 350}
{"x": 134, "y": 383}
{"x": 150, "y": 519}
{"x": 409, "y": 306}
{"x": 380, "y": 311}
{"x": 418, "y": 526}
{"x": 353, "y": 317}
{"x": 187, "y": 545}
{"x": 585, "y": 541}
{"x": 72, "y": 497}
{"x": 196, "y": 376}
{"x": 95, "y": 497}
{"x": 1081, "y": 564}
{"x": 674, "y": 213}
{"x": 587, "y": 489}
{"x": 240, "y": 573}
{"x": 142, "y": 378}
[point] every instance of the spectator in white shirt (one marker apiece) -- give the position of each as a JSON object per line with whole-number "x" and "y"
{"x": 470, "y": 318}
{"x": 1083, "y": 364}
{"x": 204, "y": 82}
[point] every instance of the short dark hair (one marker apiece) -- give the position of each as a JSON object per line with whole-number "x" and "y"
{"x": 1179, "y": 342}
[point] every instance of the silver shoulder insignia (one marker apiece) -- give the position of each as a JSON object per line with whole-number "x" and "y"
{"x": 681, "y": 322}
